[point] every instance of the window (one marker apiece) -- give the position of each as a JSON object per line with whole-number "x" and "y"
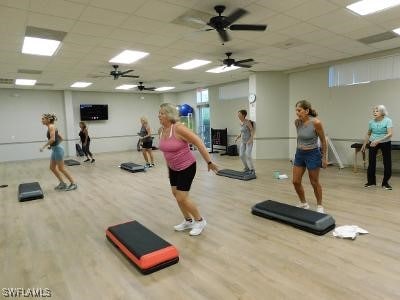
{"x": 365, "y": 71}
{"x": 202, "y": 95}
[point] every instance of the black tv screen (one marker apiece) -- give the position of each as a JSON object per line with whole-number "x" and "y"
{"x": 94, "y": 112}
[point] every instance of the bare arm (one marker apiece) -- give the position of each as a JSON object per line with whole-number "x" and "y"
{"x": 187, "y": 135}
{"x": 321, "y": 134}
{"x": 148, "y": 132}
{"x": 366, "y": 139}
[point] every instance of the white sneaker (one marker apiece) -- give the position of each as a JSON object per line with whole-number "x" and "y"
{"x": 198, "y": 227}
{"x": 320, "y": 209}
{"x": 184, "y": 225}
{"x": 303, "y": 205}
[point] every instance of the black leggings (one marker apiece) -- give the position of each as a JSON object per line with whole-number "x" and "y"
{"x": 86, "y": 150}
{"x": 386, "y": 149}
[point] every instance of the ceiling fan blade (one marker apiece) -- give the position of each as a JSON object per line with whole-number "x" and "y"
{"x": 242, "y": 66}
{"x": 236, "y": 15}
{"x": 248, "y": 27}
{"x": 149, "y": 88}
{"x": 223, "y": 35}
{"x": 125, "y": 72}
{"x": 244, "y": 61}
{"x": 131, "y": 76}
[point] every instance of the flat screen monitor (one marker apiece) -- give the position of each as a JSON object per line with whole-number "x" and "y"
{"x": 94, "y": 112}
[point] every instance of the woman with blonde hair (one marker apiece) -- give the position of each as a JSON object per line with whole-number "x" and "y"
{"x": 57, "y": 153}
{"x": 174, "y": 143}
{"x": 147, "y": 142}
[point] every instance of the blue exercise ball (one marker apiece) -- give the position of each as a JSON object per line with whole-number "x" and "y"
{"x": 185, "y": 110}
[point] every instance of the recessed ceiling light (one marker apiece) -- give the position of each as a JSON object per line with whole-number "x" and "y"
{"x": 25, "y": 81}
{"x": 222, "y": 69}
{"x": 366, "y": 7}
{"x": 164, "y": 88}
{"x": 81, "y": 84}
{"x": 38, "y": 46}
{"x": 397, "y": 30}
{"x": 126, "y": 87}
{"x": 128, "y": 57}
{"x": 195, "y": 63}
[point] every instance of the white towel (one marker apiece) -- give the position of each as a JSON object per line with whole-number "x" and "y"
{"x": 283, "y": 176}
{"x": 348, "y": 231}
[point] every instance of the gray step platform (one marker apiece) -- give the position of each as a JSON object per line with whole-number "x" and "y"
{"x": 71, "y": 162}
{"x": 132, "y": 167}
{"x": 308, "y": 220}
{"x": 236, "y": 174}
{"x": 29, "y": 191}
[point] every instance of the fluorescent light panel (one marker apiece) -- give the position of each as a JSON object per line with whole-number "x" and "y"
{"x": 128, "y": 57}
{"x": 126, "y": 87}
{"x": 25, "y": 81}
{"x": 80, "y": 84}
{"x": 195, "y": 63}
{"x": 38, "y": 46}
{"x": 366, "y": 7}
{"x": 164, "y": 88}
{"x": 222, "y": 69}
{"x": 397, "y": 30}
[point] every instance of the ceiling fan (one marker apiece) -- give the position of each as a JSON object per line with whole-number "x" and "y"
{"x": 238, "y": 63}
{"x": 117, "y": 73}
{"x": 221, "y": 23}
{"x": 141, "y": 87}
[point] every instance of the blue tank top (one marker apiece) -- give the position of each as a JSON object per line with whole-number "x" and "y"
{"x": 307, "y": 137}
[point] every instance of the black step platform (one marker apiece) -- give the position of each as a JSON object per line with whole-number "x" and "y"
{"x": 308, "y": 220}
{"x": 236, "y": 174}
{"x": 29, "y": 191}
{"x": 71, "y": 162}
{"x": 132, "y": 167}
{"x": 143, "y": 247}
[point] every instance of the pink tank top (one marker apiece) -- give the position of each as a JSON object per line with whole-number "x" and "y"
{"x": 176, "y": 152}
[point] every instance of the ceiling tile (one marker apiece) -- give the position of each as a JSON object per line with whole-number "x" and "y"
{"x": 102, "y": 16}
{"x": 298, "y": 29}
{"x": 310, "y": 9}
{"x": 21, "y": 4}
{"x": 281, "y": 5}
{"x": 160, "y": 11}
{"x": 59, "y": 8}
{"x": 91, "y": 29}
{"x": 279, "y": 22}
{"x": 50, "y": 22}
{"x": 125, "y": 6}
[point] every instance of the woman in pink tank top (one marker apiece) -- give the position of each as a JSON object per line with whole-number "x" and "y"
{"x": 174, "y": 143}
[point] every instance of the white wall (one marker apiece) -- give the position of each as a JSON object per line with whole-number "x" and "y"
{"x": 344, "y": 111}
{"x": 21, "y": 131}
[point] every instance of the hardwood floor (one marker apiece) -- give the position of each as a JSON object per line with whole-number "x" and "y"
{"x": 59, "y": 242}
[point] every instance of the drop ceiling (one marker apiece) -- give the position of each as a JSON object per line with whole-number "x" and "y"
{"x": 300, "y": 33}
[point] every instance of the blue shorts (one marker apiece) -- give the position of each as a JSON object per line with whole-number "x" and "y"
{"x": 57, "y": 153}
{"x": 311, "y": 159}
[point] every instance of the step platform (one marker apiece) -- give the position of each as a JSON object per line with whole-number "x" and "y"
{"x": 146, "y": 250}
{"x": 29, "y": 191}
{"x": 304, "y": 219}
{"x": 236, "y": 174}
{"x": 132, "y": 167}
{"x": 71, "y": 162}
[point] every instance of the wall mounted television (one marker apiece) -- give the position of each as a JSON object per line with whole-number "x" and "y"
{"x": 94, "y": 112}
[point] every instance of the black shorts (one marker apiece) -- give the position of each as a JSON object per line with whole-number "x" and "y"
{"x": 182, "y": 179}
{"x": 147, "y": 144}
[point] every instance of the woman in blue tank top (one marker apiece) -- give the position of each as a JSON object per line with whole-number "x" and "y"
{"x": 308, "y": 154}
{"x": 57, "y": 153}
{"x": 379, "y": 137}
